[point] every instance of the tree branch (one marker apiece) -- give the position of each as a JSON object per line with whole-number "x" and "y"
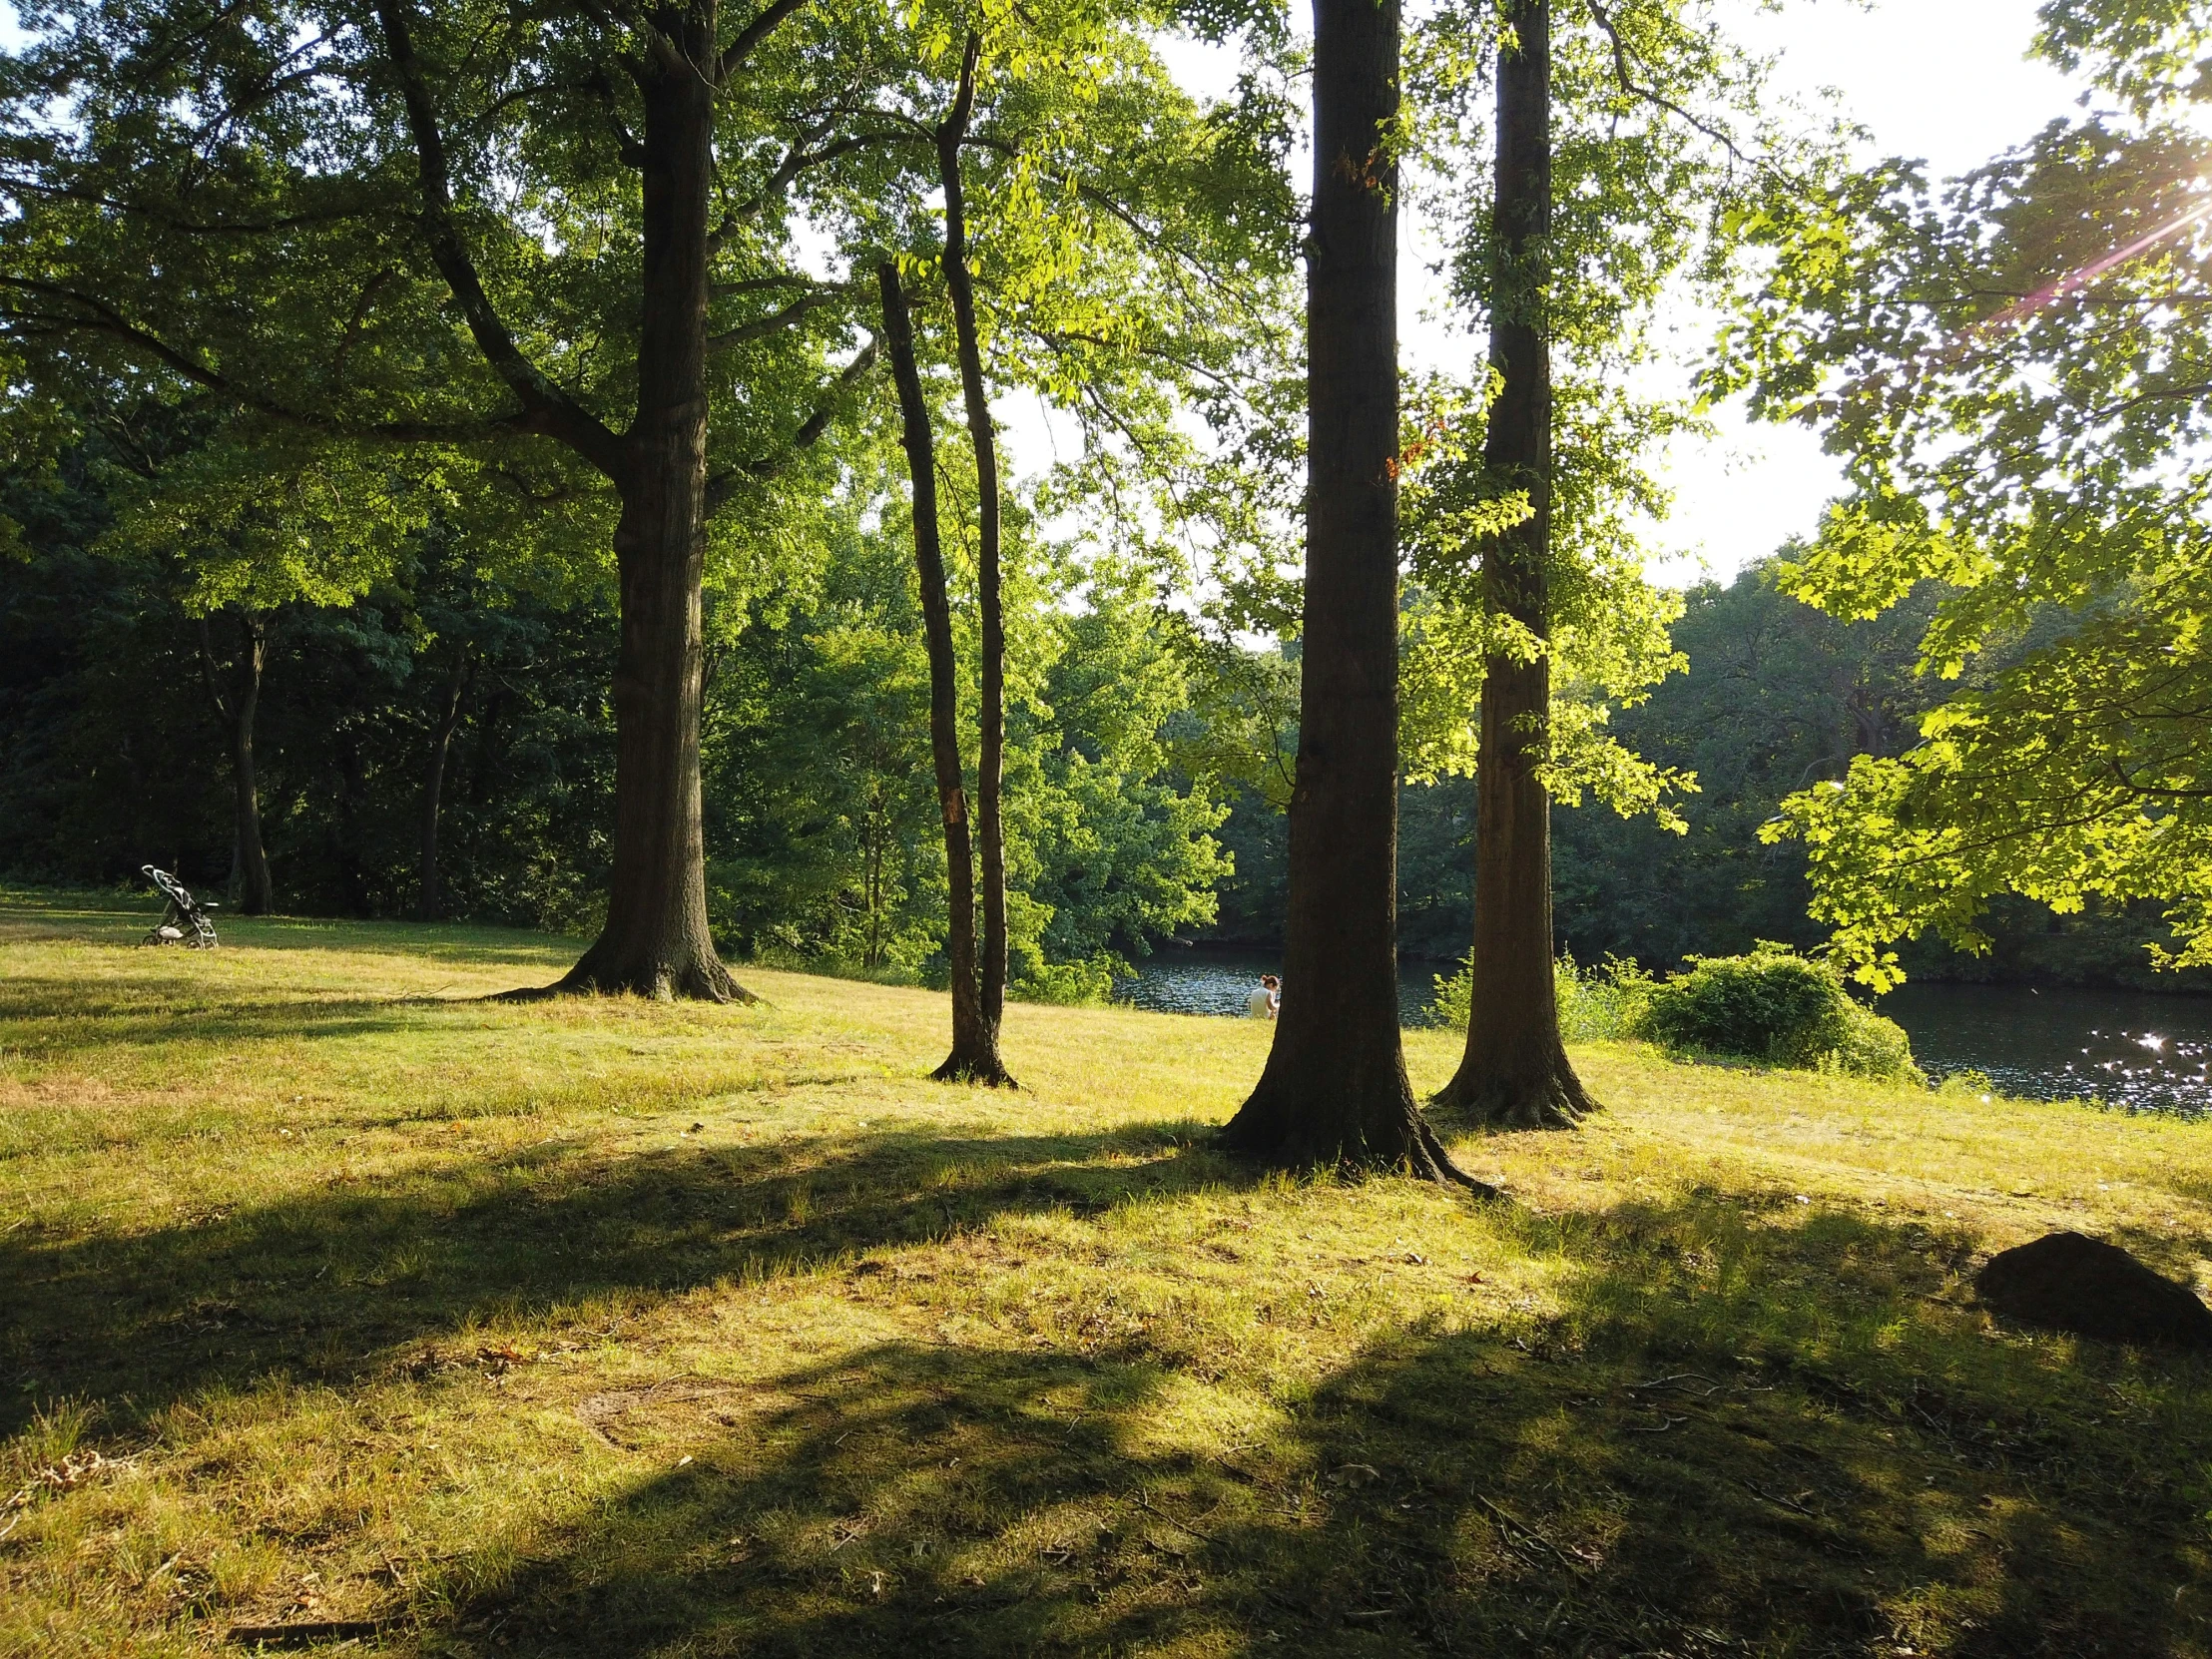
{"x": 99, "y": 317}
{"x": 777, "y": 321}
{"x": 2126, "y": 783}
{"x": 752, "y": 35}
{"x": 723, "y": 485}
{"x": 799, "y": 160}
{"x": 546, "y": 409}
{"x": 1652, "y": 94}
{"x": 182, "y": 227}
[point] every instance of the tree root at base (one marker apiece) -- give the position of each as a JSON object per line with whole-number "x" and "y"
{"x": 990, "y": 1074}
{"x": 1420, "y": 1155}
{"x": 697, "y": 986}
{"x": 1555, "y": 1103}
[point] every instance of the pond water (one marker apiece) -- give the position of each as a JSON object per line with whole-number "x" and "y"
{"x": 2130, "y": 1048}
{"x": 1222, "y": 981}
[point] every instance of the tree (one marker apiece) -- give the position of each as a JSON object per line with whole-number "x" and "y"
{"x": 2012, "y": 367}
{"x": 978, "y": 1060}
{"x": 1516, "y": 1072}
{"x": 476, "y": 226}
{"x": 1335, "y": 1092}
{"x": 974, "y": 1038}
{"x": 1107, "y": 250}
{"x": 446, "y": 716}
{"x": 235, "y": 690}
{"x": 253, "y": 531}
{"x": 1617, "y": 173}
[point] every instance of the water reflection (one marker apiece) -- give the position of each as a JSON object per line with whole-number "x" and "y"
{"x": 2129, "y": 1048}
{"x": 1221, "y": 982}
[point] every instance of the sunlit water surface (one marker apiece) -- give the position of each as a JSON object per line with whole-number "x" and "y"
{"x": 2128, "y": 1048}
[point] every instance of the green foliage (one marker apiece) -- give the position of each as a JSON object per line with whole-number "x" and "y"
{"x": 1661, "y": 139}
{"x": 1600, "y": 1004}
{"x": 2021, "y": 410}
{"x": 1777, "y": 694}
{"x": 824, "y": 839}
{"x": 1778, "y": 1008}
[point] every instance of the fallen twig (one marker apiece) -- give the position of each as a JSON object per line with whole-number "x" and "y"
{"x": 1571, "y": 1563}
{"x": 1791, "y": 1504}
{"x": 304, "y": 1632}
{"x": 1144, "y": 1502}
{"x": 1680, "y": 1383}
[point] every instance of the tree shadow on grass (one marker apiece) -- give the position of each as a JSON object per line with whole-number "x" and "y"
{"x": 114, "y": 916}
{"x": 1683, "y": 1461}
{"x": 320, "y": 1287}
{"x": 100, "y": 1018}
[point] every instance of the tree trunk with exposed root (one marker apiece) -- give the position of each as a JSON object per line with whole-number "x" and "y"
{"x": 1334, "y": 1093}
{"x": 1515, "y": 1073}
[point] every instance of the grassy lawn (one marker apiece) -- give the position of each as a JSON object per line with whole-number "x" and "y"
{"x": 331, "y": 1294}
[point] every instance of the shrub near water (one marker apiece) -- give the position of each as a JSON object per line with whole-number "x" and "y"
{"x": 1773, "y": 1005}
{"x": 1595, "y": 1005}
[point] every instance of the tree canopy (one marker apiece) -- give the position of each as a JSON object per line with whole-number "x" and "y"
{"x": 2012, "y": 367}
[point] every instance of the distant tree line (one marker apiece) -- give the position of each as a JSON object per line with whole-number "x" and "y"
{"x": 444, "y": 747}
{"x": 1777, "y": 697}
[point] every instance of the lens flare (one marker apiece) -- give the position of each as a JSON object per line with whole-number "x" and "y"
{"x": 2075, "y": 281}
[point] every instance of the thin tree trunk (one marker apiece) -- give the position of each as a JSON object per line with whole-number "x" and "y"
{"x": 1515, "y": 1074}
{"x": 249, "y": 890}
{"x": 655, "y": 940}
{"x": 974, "y": 1041}
{"x": 1335, "y": 1092}
{"x": 428, "y": 897}
{"x": 346, "y": 839}
{"x": 135, "y": 806}
{"x": 990, "y": 748}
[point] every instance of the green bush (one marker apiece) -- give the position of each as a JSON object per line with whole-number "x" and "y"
{"x": 1602, "y": 1004}
{"x": 1774, "y": 1006}
{"x": 1595, "y": 1005}
{"x": 1067, "y": 984}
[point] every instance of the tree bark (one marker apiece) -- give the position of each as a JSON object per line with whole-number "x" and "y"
{"x": 975, "y": 1053}
{"x": 249, "y": 890}
{"x": 991, "y": 747}
{"x": 428, "y": 897}
{"x": 1515, "y": 1073}
{"x": 655, "y": 940}
{"x": 1335, "y": 1092}
{"x": 345, "y": 848}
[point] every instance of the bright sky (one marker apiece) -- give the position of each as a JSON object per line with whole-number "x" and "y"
{"x": 1948, "y": 81}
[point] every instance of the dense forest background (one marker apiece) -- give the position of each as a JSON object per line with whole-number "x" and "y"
{"x": 1145, "y": 783}
{"x": 1777, "y": 696}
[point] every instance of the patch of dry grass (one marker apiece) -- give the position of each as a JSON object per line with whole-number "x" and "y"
{"x": 330, "y": 1294}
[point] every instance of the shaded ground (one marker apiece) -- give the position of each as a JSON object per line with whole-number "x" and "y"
{"x": 609, "y": 1328}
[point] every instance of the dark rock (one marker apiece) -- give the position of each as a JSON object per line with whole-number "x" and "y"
{"x": 2070, "y": 1282}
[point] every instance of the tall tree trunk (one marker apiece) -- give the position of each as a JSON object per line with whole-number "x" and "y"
{"x": 974, "y": 1040}
{"x": 428, "y": 897}
{"x": 655, "y": 940}
{"x": 249, "y": 890}
{"x": 991, "y": 747}
{"x": 1515, "y": 1074}
{"x": 1334, "y": 1091}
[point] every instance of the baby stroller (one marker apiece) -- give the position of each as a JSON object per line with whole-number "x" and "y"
{"x": 186, "y": 921}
